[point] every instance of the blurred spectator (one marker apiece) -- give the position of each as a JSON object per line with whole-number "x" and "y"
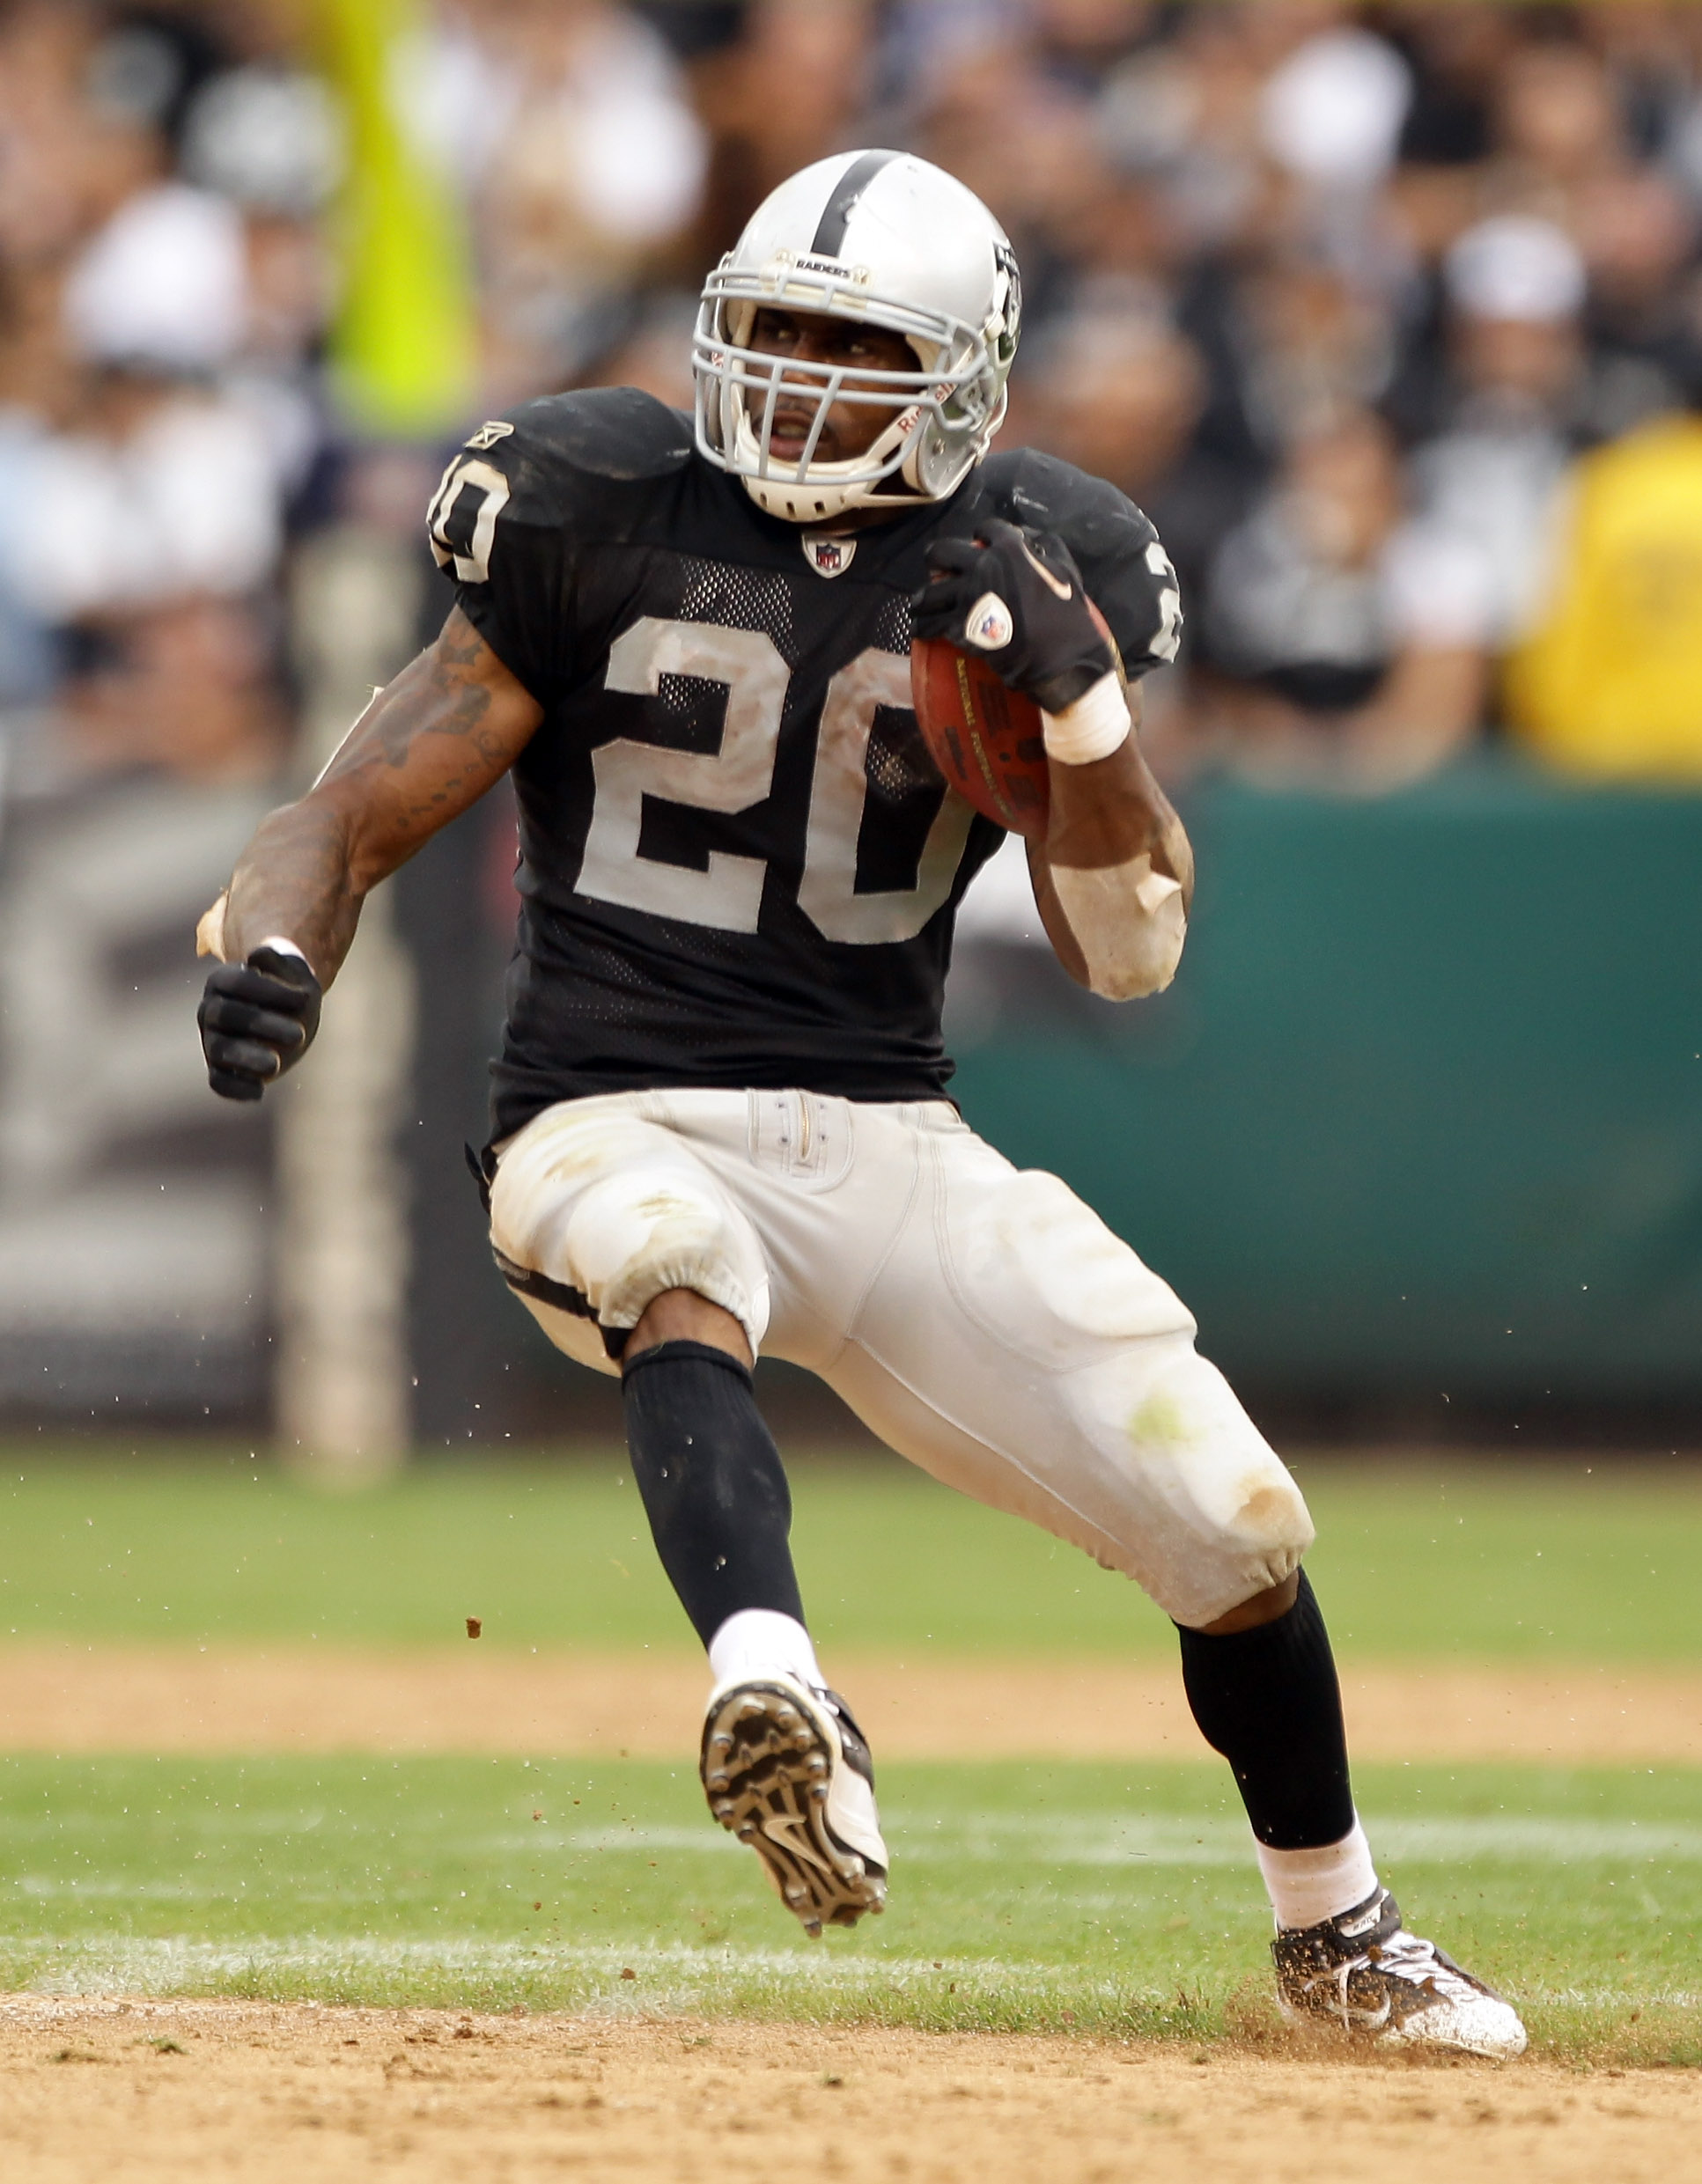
{"x": 1310, "y": 343}
{"x": 70, "y": 157}
{"x": 163, "y": 283}
{"x": 652, "y": 350}
{"x": 1183, "y": 113}
{"x": 155, "y": 489}
{"x": 1330, "y": 113}
{"x": 567, "y": 124}
{"x": 1559, "y": 127}
{"x": 788, "y": 88}
{"x": 157, "y": 525}
{"x": 1120, "y": 391}
{"x": 1516, "y": 399}
{"x": 1242, "y": 227}
{"x": 1347, "y": 642}
{"x": 1638, "y": 236}
{"x": 32, "y": 394}
{"x": 1457, "y": 55}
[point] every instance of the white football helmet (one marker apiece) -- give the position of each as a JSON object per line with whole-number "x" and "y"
{"x": 887, "y": 239}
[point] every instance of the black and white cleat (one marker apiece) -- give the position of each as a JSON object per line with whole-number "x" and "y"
{"x": 787, "y": 1770}
{"x": 1362, "y": 1974}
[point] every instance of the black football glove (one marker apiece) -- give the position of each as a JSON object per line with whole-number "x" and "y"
{"x": 257, "y": 1019}
{"x": 1018, "y": 597}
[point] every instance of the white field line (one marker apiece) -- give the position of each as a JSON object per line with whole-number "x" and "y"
{"x": 1171, "y": 1841}
{"x": 216, "y": 1824}
{"x": 961, "y": 1839}
{"x": 671, "y": 1978}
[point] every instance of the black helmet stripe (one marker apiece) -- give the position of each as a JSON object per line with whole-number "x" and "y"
{"x": 830, "y": 230}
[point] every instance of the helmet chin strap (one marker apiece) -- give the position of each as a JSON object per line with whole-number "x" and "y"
{"x": 826, "y": 489}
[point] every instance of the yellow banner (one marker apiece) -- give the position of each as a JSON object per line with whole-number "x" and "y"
{"x": 403, "y": 348}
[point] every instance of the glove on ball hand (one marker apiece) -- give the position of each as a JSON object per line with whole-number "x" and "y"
{"x": 1018, "y": 597}
{"x": 257, "y": 1019}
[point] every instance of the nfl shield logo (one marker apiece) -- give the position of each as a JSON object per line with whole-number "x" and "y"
{"x": 828, "y": 557}
{"x": 989, "y": 624}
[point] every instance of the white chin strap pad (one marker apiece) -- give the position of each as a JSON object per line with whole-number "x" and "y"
{"x": 825, "y": 492}
{"x": 814, "y": 503}
{"x": 1129, "y": 924}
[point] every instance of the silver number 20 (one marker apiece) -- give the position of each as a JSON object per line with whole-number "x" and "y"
{"x": 728, "y": 895}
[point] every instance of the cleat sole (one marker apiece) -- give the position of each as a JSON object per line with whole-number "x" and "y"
{"x": 768, "y": 1785}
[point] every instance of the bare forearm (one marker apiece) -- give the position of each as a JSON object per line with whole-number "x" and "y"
{"x": 295, "y": 882}
{"x": 1113, "y": 809}
{"x": 1116, "y": 875}
{"x": 428, "y": 746}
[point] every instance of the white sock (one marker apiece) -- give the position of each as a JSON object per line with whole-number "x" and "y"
{"x": 756, "y": 1642}
{"x": 1308, "y": 1886}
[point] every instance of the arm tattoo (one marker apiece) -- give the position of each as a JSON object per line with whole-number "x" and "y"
{"x": 456, "y": 706}
{"x": 437, "y": 738}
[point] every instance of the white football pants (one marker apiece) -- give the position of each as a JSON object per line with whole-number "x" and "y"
{"x": 979, "y": 1319}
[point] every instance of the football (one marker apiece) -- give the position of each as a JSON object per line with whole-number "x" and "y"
{"x": 985, "y": 738}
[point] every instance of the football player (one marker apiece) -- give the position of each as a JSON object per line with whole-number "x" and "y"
{"x": 719, "y": 1122}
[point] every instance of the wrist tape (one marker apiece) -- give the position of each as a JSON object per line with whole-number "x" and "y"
{"x": 1094, "y": 726}
{"x": 279, "y": 945}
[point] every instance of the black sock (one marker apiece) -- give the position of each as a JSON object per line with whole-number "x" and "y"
{"x": 1269, "y": 1701}
{"x": 712, "y": 1483}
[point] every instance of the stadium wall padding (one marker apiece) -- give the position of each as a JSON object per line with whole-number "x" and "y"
{"x": 1423, "y": 1113}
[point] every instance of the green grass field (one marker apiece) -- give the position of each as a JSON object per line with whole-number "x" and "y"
{"x": 1102, "y": 1898}
{"x": 1111, "y": 1898}
{"x": 1587, "y": 1560}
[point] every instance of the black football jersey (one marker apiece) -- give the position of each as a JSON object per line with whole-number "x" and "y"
{"x": 739, "y": 866}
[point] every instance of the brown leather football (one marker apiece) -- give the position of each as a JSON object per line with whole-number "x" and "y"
{"x": 985, "y": 738}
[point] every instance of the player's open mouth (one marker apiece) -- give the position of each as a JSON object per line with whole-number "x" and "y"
{"x": 789, "y": 432}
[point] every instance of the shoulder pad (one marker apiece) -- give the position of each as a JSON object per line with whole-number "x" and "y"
{"x": 568, "y": 466}
{"x": 614, "y": 432}
{"x": 1028, "y": 488}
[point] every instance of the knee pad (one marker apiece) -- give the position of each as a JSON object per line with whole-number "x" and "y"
{"x": 654, "y": 1227}
{"x": 620, "y": 1228}
{"x": 1211, "y": 1516}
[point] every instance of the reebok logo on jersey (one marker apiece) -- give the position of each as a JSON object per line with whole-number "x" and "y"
{"x": 488, "y": 435}
{"x": 828, "y": 557}
{"x": 989, "y": 626}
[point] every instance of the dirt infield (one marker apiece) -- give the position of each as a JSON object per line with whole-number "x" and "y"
{"x": 476, "y": 1699}
{"x": 95, "y": 2092}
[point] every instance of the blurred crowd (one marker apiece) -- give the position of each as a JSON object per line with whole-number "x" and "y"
{"x": 1341, "y": 296}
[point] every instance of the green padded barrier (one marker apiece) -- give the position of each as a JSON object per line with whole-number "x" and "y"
{"x": 1423, "y": 1113}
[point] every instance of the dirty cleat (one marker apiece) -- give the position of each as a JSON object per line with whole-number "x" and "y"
{"x": 786, "y": 1769}
{"x": 1362, "y": 1973}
